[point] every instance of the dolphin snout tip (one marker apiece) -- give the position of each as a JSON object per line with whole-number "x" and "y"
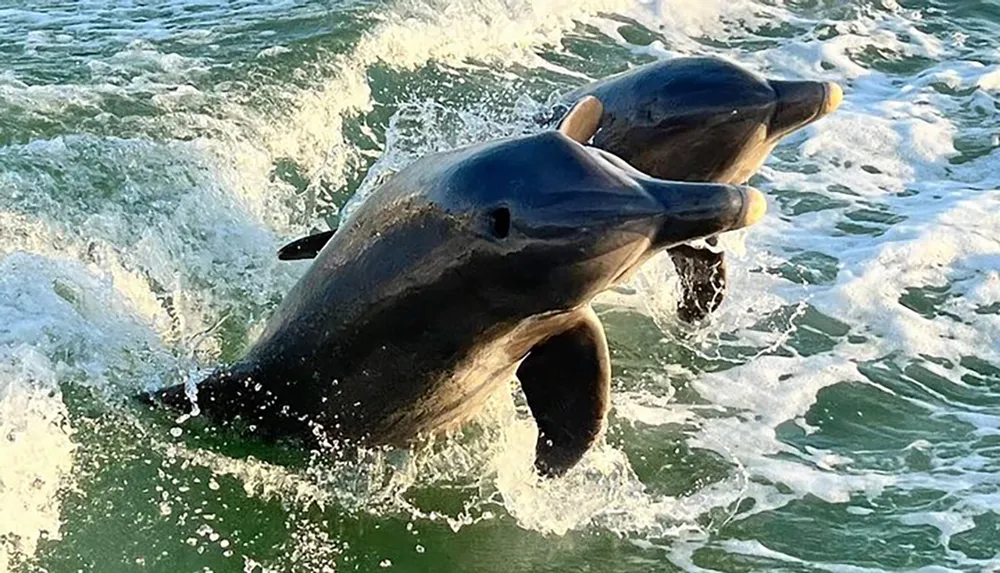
{"x": 834, "y": 97}
{"x": 754, "y": 207}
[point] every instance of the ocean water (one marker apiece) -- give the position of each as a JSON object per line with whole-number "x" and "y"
{"x": 840, "y": 413}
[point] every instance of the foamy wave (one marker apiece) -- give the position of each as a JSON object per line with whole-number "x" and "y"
{"x": 884, "y": 143}
{"x": 504, "y": 33}
{"x": 137, "y": 247}
{"x": 37, "y": 449}
{"x": 886, "y": 161}
{"x": 86, "y": 333}
{"x": 122, "y": 278}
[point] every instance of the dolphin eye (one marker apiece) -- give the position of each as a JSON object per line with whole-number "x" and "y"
{"x": 500, "y": 222}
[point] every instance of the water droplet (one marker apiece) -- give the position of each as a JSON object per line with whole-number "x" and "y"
{"x": 176, "y": 432}
{"x": 420, "y": 548}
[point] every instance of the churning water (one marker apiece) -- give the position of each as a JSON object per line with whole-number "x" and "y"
{"x": 840, "y": 413}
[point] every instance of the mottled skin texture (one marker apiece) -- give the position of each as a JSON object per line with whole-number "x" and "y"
{"x": 465, "y": 269}
{"x": 700, "y": 119}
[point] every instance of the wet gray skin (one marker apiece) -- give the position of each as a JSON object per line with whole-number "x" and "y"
{"x": 465, "y": 269}
{"x": 686, "y": 119}
{"x": 700, "y": 119}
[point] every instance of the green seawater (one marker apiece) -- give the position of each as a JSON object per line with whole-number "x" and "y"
{"x": 841, "y": 412}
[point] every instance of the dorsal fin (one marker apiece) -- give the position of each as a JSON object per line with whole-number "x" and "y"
{"x": 305, "y": 248}
{"x": 582, "y": 121}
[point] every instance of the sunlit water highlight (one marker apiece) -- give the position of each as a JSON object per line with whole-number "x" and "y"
{"x": 840, "y": 413}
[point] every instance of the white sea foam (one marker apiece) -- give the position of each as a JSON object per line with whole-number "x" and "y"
{"x": 887, "y": 142}
{"x": 114, "y": 296}
{"x": 37, "y": 450}
{"x": 891, "y": 147}
{"x": 86, "y": 332}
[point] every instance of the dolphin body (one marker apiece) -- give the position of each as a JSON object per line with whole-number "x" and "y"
{"x": 464, "y": 270}
{"x": 684, "y": 119}
{"x": 699, "y": 119}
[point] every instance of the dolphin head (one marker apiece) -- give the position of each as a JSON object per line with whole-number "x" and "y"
{"x": 702, "y": 119}
{"x": 549, "y": 223}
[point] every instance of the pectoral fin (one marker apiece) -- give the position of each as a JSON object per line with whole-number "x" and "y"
{"x": 305, "y": 248}
{"x": 703, "y": 280}
{"x": 566, "y": 380}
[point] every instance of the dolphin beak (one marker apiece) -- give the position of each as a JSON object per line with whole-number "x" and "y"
{"x": 696, "y": 210}
{"x": 834, "y": 97}
{"x": 801, "y": 103}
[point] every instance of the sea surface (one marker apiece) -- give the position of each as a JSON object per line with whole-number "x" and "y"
{"x": 840, "y": 413}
